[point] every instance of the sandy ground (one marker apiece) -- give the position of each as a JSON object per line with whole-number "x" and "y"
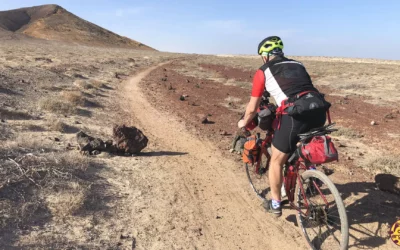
{"x": 186, "y": 191}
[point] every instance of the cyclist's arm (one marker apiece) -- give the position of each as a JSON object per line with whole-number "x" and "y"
{"x": 255, "y": 99}
{"x": 251, "y": 109}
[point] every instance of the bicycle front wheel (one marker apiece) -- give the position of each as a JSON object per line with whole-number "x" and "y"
{"x": 321, "y": 215}
{"x": 257, "y": 175}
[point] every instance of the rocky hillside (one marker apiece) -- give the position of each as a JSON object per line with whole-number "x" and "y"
{"x": 52, "y": 22}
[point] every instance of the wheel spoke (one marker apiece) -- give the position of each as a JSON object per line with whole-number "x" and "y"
{"x": 324, "y": 217}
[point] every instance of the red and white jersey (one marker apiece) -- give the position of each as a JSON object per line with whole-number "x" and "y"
{"x": 282, "y": 78}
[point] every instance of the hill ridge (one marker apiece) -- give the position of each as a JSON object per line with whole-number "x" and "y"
{"x": 53, "y": 22}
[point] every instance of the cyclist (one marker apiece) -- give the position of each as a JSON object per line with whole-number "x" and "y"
{"x": 282, "y": 78}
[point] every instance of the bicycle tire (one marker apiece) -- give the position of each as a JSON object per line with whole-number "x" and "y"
{"x": 338, "y": 201}
{"x": 260, "y": 187}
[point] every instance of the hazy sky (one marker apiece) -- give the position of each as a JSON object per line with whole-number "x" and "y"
{"x": 351, "y": 28}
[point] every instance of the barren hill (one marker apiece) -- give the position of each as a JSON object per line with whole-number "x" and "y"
{"x": 52, "y": 22}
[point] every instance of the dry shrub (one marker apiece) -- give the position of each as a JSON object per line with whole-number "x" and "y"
{"x": 37, "y": 187}
{"x": 74, "y": 97}
{"x": 388, "y": 164}
{"x": 57, "y": 106}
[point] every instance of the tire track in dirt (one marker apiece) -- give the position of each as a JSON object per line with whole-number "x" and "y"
{"x": 216, "y": 198}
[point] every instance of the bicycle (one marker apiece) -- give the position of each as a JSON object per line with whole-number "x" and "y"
{"x": 303, "y": 185}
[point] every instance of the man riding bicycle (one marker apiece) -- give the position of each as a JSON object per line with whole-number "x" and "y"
{"x": 285, "y": 79}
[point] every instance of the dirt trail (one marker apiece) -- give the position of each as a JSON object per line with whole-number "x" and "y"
{"x": 200, "y": 202}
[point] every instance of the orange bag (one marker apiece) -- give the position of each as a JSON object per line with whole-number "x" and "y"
{"x": 251, "y": 150}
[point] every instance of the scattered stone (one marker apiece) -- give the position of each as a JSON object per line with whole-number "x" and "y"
{"x": 327, "y": 171}
{"x": 165, "y": 69}
{"x": 77, "y": 122}
{"x": 389, "y": 116}
{"x": 43, "y": 59}
{"x": 360, "y": 154}
{"x": 373, "y": 123}
{"x": 396, "y": 111}
{"x": 57, "y": 139}
{"x": 124, "y": 236}
{"x": 120, "y": 75}
{"x": 224, "y": 133}
{"x": 164, "y": 79}
{"x": 129, "y": 139}
{"x": 3, "y": 121}
{"x": 388, "y": 183}
{"x": 349, "y": 158}
{"x": 218, "y": 217}
{"x": 232, "y": 150}
{"x": 89, "y": 144}
{"x": 182, "y": 98}
{"x": 133, "y": 243}
{"x": 105, "y": 155}
{"x": 340, "y": 145}
{"x": 187, "y": 80}
{"x": 205, "y": 120}
{"x": 96, "y": 152}
{"x": 131, "y": 60}
{"x": 76, "y": 75}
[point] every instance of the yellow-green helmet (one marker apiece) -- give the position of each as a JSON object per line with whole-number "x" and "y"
{"x": 270, "y": 45}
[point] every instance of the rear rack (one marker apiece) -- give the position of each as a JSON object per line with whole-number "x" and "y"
{"x": 318, "y": 132}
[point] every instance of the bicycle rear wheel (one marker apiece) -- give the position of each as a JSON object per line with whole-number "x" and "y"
{"x": 258, "y": 177}
{"x": 322, "y": 215}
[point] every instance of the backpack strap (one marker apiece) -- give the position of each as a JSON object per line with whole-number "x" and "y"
{"x": 328, "y": 113}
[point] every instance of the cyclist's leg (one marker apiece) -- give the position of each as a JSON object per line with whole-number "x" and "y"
{"x": 278, "y": 159}
{"x": 281, "y": 147}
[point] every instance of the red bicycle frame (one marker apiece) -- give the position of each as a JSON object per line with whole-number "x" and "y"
{"x": 290, "y": 177}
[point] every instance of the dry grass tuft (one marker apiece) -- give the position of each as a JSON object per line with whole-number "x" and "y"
{"x": 98, "y": 84}
{"x": 34, "y": 128}
{"x": 74, "y": 97}
{"x": 389, "y": 164}
{"x": 5, "y": 132}
{"x": 84, "y": 84}
{"x": 67, "y": 201}
{"x": 14, "y": 115}
{"x": 57, "y": 106}
{"x": 59, "y": 126}
{"x": 347, "y": 132}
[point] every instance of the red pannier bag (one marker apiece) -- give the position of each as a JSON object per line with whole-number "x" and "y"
{"x": 320, "y": 149}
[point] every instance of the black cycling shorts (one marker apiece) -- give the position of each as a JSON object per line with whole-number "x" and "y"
{"x": 286, "y": 138}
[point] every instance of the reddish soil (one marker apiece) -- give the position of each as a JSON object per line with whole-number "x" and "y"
{"x": 207, "y": 97}
{"x": 365, "y": 204}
